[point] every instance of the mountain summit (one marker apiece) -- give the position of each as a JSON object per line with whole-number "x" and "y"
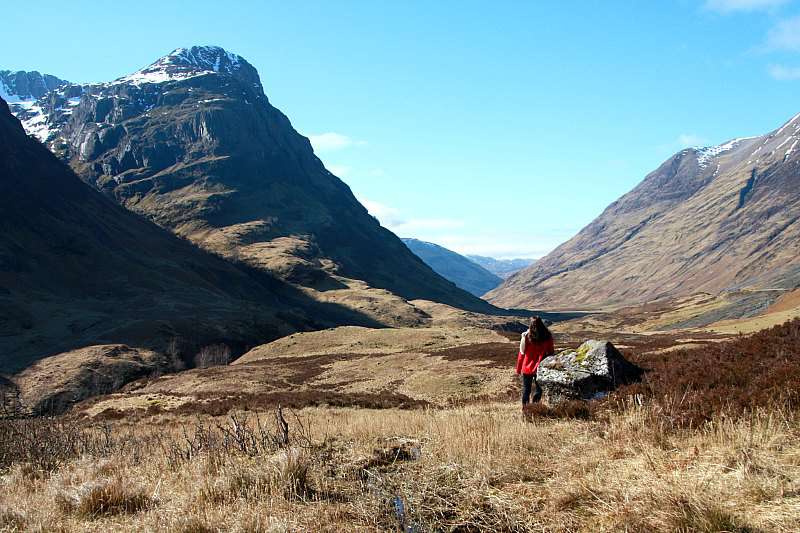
{"x": 722, "y": 218}
{"x": 185, "y": 63}
{"x": 192, "y": 143}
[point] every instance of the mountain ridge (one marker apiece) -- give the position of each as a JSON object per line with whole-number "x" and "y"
{"x": 708, "y": 219}
{"x": 503, "y": 268}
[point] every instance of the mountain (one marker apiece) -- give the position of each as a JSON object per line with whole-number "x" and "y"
{"x": 192, "y": 143}
{"x": 501, "y": 267}
{"x": 20, "y": 87}
{"x": 464, "y": 273}
{"x": 76, "y": 269}
{"x": 724, "y": 218}
{"x": 21, "y": 90}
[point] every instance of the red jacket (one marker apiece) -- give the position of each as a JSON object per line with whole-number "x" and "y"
{"x": 529, "y": 359}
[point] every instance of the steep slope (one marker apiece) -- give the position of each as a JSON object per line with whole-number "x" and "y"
{"x": 193, "y": 143}
{"x": 503, "y": 268}
{"x": 707, "y": 220}
{"x": 76, "y": 269}
{"x": 464, "y": 273}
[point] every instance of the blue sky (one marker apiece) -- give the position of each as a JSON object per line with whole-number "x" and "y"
{"x": 498, "y": 128}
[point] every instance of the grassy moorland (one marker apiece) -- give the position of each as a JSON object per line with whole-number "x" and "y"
{"x": 710, "y": 441}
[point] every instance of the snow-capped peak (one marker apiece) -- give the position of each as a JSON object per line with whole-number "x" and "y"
{"x": 207, "y": 57}
{"x": 185, "y": 63}
{"x": 707, "y": 153}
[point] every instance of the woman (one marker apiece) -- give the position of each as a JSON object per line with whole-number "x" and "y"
{"x": 535, "y": 345}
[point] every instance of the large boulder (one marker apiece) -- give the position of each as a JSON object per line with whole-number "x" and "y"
{"x": 587, "y": 373}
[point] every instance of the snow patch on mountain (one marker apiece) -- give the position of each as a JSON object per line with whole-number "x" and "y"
{"x": 15, "y": 101}
{"x": 6, "y": 94}
{"x": 790, "y": 150}
{"x": 185, "y": 63}
{"x": 36, "y": 124}
{"x": 706, "y": 154}
{"x": 791, "y": 121}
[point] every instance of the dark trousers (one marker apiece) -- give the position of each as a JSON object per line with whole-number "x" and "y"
{"x": 528, "y": 381}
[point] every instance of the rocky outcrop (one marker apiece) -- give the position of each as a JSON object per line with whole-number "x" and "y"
{"x": 17, "y": 86}
{"x": 587, "y": 373}
{"x": 707, "y": 220}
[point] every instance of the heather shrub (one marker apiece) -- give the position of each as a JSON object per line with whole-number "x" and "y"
{"x": 693, "y": 386}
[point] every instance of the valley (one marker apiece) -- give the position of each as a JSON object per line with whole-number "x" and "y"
{"x": 211, "y": 322}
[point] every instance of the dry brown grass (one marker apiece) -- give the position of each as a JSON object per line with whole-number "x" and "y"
{"x": 473, "y": 468}
{"x": 102, "y": 498}
{"x": 627, "y": 464}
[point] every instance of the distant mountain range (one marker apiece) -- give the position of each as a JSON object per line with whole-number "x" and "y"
{"x": 464, "y": 272}
{"x": 501, "y": 267}
{"x": 724, "y": 218}
{"x": 192, "y": 143}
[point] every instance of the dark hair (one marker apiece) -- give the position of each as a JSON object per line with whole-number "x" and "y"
{"x": 538, "y": 332}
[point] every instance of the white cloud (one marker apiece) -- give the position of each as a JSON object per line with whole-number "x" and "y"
{"x": 414, "y": 226}
{"x": 388, "y": 216}
{"x": 784, "y": 73}
{"x": 682, "y": 141}
{"x": 503, "y": 246}
{"x": 732, "y": 6}
{"x": 785, "y": 35}
{"x": 341, "y": 171}
{"x": 330, "y": 141}
{"x": 690, "y": 140}
{"x": 443, "y": 231}
{"x": 392, "y": 219}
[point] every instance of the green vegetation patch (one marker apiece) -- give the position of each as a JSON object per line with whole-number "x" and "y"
{"x": 581, "y": 353}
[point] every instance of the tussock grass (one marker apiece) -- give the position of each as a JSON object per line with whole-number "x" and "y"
{"x": 474, "y": 468}
{"x": 102, "y": 497}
